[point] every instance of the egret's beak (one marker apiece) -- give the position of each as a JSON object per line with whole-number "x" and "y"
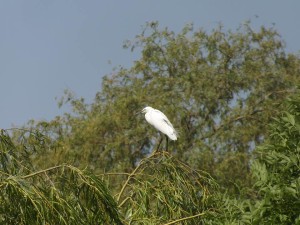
{"x": 138, "y": 112}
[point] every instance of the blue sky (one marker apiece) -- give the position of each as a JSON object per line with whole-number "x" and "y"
{"x": 47, "y": 46}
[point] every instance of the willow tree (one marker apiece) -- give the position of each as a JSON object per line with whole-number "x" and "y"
{"x": 62, "y": 194}
{"x": 220, "y": 89}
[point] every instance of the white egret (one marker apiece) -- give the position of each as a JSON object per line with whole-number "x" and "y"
{"x": 159, "y": 120}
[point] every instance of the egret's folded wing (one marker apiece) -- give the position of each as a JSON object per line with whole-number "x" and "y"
{"x": 159, "y": 120}
{"x": 163, "y": 117}
{"x": 168, "y": 122}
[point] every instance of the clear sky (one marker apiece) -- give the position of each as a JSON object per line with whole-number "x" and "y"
{"x": 47, "y": 46}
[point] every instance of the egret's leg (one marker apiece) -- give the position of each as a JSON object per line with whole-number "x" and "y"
{"x": 161, "y": 138}
{"x": 167, "y": 141}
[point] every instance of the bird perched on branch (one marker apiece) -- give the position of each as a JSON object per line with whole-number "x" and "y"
{"x": 159, "y": 120}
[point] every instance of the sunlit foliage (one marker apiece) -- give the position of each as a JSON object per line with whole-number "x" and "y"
{"x": 221, "y": 89}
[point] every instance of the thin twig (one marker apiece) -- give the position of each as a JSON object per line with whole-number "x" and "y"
{"x": 114, "y": 174}
{"x": 128, "y": 179}
{"x": 132, "y": 174}
{"x": 4, "y": 173}
{"x": 43, "y": 171}
{"x": 123, "y": 202}
{"x": 185, "y": 218}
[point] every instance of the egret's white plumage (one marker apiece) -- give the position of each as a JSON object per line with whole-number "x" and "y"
{"x": 159, "y": 120}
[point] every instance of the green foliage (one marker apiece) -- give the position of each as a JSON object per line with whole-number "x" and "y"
{"x": 219, "y": 89}
{"x": 163, "y": 189}
{"x": 160, "y": 190}
{"x": 58, "y": 195}
{"x": 277, "y": 170}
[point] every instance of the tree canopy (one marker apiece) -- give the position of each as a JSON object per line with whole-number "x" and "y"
{"x": 221, "y": 89}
